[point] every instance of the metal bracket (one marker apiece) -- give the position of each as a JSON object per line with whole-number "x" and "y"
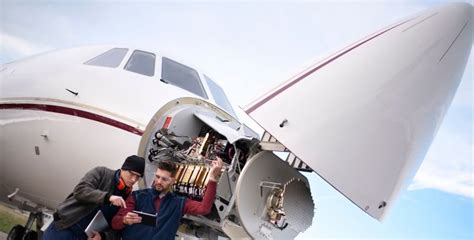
{"x": 271, "y": 185}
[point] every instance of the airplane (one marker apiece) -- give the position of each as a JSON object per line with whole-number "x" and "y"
{"x": 67, "y": 111}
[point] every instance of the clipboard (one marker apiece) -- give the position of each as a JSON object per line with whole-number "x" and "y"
{"x": 98, "y": 224}
{"x": 147, "y": 218}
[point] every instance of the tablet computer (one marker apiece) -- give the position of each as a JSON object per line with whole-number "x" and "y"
{"x": 147, "y": 218}
{"x": 98, "y": 224}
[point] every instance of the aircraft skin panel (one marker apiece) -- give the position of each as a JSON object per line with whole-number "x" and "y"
{"x": 364, "y": 126}
{"x": 79, "y": 143}
{"x": 57, "y": 93}
{"x": 119, "y": 91}
{"x": 76, "y": 111}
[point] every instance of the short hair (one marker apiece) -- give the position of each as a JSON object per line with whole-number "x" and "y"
{"x": 168, "y": 166}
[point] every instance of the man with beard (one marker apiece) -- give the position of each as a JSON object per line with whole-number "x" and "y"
{"x": 168, "y": 206}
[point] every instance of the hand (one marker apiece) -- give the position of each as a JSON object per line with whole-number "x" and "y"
{"x": 131, "y": 218}
{"x": 216, "y": 169}
{"x": 117, "y": 201}
{"x": 95, "y": 236}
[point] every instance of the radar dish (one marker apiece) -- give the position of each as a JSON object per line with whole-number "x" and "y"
{"x": 264, "y": 190}
{"x": 296, "y": 202}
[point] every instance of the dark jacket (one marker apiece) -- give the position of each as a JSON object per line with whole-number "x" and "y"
{"x": 94, "y": 189}
{"x": 168, "y": 220}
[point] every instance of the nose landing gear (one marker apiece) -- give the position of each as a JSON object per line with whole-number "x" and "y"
{"x": 19, "y": 232}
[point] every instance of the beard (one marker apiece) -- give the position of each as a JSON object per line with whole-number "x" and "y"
{"x": 161, "y": 187}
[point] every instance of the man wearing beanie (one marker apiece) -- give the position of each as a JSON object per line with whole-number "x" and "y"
{"x": 168, "y": 206}
{"x": 101, "y": 189}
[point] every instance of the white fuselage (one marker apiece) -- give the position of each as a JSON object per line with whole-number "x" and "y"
{"x": 51, "y": 137}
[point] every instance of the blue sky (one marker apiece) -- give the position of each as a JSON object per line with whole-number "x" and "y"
{"x": 260, "y": 44}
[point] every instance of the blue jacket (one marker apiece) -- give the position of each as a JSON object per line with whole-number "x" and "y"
{"x": 168, "y": 220}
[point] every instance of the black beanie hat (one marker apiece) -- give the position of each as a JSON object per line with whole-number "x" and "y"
{"x": 134, "y": 163}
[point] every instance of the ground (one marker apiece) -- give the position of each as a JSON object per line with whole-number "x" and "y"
{"x": 9, "y": 217}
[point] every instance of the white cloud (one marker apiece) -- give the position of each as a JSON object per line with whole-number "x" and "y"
{"x": 448, "y": 166}
{"x": 18, "y": 47}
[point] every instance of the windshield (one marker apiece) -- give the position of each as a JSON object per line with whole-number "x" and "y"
{"x": 219, "y": 96}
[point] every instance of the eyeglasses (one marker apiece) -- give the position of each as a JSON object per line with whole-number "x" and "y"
{"x": 134, "y": 175}
{"x": 164, "y": 179}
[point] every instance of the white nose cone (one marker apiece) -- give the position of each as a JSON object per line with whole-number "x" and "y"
{"x": 364, "y": 118}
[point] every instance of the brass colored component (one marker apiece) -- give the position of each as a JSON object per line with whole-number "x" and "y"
{"x": 179, "y": 172}
{"x": 203, "y": 144}
{"x": 194, "y": 175}
{"x": 192, "y": 178}
{"x": 206, "y": 179}
{"x": 187, "y": 174}
{"x": 183, "y": 172}
{"x": 202, "y": 177}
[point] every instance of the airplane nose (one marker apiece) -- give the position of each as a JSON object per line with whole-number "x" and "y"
{"x": 438, "y": 38}
{"x": 453, "y": 24}
{"x": 391, "y": 89}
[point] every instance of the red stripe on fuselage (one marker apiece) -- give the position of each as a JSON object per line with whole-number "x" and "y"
{"x": 72, "y": 112}
{"x": 324, "y": 63}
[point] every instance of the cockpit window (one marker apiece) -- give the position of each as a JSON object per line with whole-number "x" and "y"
{"x": 141, "y": 62}
{"x": 111, "y": 58}
{"x": 219, "y": 96}
{"x": 182, "y": 76}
